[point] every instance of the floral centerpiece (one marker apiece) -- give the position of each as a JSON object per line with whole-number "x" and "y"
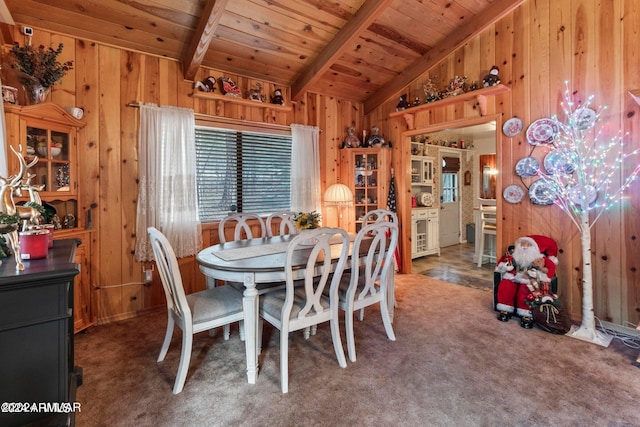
{"x": 307, "y": 220}
{"x": 38, "y": 69}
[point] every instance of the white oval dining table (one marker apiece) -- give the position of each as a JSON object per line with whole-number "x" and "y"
{"x": 256, "y": 261}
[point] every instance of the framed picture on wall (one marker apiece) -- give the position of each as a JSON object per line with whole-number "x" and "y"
{"x": 467, "y": 178}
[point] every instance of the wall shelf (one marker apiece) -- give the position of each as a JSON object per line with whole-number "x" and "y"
{"x": 241, "y": 101}
{"x": 479, "y": 95}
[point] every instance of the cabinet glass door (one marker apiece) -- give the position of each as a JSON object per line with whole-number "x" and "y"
{"x": 366, "y": 186}
{"x": 427, "y": 171}
{"x": 53, "y": 151}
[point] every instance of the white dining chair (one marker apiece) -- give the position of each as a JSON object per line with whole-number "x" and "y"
{"x": 379, "y": 215}
{"x": 367, "y": 282}
{"x": 242, "y": 230}
{"x": 488, "y": 227}
{"x": 299, "y": 306}
{"x": 376, "y": 216}
{"x": 283, "y": 221}
{"x": 243, "y": 226}
{"x": 193, "y": 313}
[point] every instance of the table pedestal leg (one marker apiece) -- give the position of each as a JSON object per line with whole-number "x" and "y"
{"x": 251, "y": 317}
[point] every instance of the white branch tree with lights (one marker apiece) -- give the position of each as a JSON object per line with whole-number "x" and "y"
{"x": 586, "y": 165}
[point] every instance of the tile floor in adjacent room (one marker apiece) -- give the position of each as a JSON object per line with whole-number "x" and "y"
{"x": 455, "y": 265}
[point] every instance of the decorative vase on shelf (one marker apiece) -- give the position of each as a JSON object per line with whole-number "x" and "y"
{"x": 35, "y": 93}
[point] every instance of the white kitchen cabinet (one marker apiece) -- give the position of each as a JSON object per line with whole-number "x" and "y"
{"x": 422, "y": 170}
{"x": 424, "y": 232}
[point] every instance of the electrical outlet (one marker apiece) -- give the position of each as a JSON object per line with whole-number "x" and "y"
{"x": 148, "y": 276}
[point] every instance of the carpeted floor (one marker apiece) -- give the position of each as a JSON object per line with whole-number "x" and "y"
{"x": 453, "y": 364}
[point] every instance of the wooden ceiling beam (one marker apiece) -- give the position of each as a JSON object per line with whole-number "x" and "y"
{"x": 209, "y": 20}
{"x": 5, "y": 15}
{"x": 473, "y": 27}
{"x": 6, "y": 33}
{"x": 343, "y": 40}
{"x": 6, "y": 24}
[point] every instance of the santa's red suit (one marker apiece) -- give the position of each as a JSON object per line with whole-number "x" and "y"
{"x": 522, "y": 276}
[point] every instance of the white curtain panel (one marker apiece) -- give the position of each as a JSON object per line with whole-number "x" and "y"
{"x": 167, "y": 195}
{"x": 305, "y": 169}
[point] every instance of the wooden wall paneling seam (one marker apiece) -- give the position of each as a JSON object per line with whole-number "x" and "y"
{"x": 607, "y": 49}
{"x": 561, "y": 56}
{"x": 110, "y": 234}
{"x": 631, "y": 233}
{"x": 513, "y": 149}
{"x": 88, "y": 98}
{"x": 131, "y": 71}
{"x": 501, "y": 104}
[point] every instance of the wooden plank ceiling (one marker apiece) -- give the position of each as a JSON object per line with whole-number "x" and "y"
{"x": 364, "y": 50}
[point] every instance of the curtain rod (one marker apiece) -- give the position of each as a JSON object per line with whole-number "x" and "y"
{"x": 230, "y": 120}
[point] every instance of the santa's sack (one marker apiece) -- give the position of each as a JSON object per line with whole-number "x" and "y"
{"x": 551, "y": 318}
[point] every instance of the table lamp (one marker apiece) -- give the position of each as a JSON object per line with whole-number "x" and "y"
{"x": 338, "y": 195}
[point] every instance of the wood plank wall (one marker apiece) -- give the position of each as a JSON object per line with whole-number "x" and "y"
{"x": 104, "y": 80}
{"x": 538, "y": 47}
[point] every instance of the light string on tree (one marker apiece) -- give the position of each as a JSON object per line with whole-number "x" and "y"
{"x": 594, "y": 163}
{"x": 583, "y": 184}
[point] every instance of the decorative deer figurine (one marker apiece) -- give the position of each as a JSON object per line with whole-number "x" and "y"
{"x": 30, "y": 213}
{"x": 8, "y": 187}
{"x": 7, "y": 207}
{"x": 32, "y": 189}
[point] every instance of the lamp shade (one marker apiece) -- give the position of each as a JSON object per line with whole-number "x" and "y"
{"x": 338, "y": 195}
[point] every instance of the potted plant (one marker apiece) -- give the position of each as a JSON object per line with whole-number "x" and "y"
{"x": 38, "y": 69}
{"x": 307, "y": 220}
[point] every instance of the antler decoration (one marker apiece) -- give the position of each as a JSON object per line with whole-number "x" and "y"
{"x": 9, "y": 186}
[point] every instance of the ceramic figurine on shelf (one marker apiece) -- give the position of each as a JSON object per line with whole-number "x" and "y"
{"x": 456, "y": 86}
{"x": 207, "y": 85}
{"x": 492, "y": 78}
{"x": 69, "y": 221}
{"x": 430, "y": 91}
{"x": 256, "y": 94}
{"x": 55, "y": 220}
{"x": 229, "y": 87}
{"x": 403, "y": 104}
{"x": 351, "y": 141}
{"x": 416, "y": 101}
{"x": 375, "y": 139}
{"x": 277, "y": 97}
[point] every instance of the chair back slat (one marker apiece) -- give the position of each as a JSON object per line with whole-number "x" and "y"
{"x": 243, "y": 229}
{"x": 286, "y": 223}
{"x": 318, "y": 257}
{"x": 377, "y": 215}
{"x": 170, "y": 276}
{"x": 378, "y": 259}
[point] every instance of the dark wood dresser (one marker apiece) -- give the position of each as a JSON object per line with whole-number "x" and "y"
{"x": 36, "y": 339}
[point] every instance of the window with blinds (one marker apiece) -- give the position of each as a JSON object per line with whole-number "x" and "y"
{"x": 240, "y": 171}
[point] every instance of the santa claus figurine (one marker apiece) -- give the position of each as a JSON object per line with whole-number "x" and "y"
{"x": 526, "y": 274}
